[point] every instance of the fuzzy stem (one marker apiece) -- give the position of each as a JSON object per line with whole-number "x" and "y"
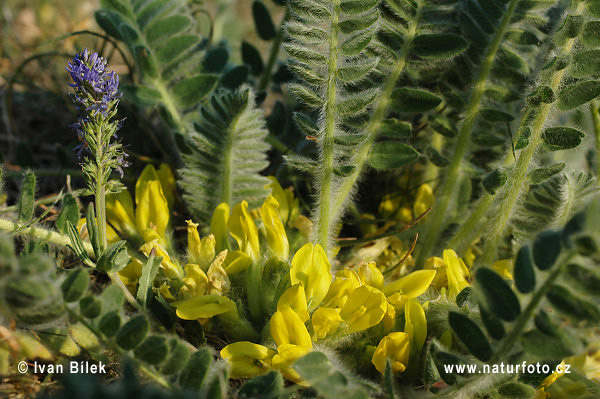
{"x": 324, "y": 219}
{"x": 42, "y": 234}
{"x": 436, "y": 220}
{"x": 44, "y": 201}
{"x": 266, "y": 76}
{"x": 517, "y": 182}
{"x": 596, "y": 122}
{"x": 473, "y": 226}
{"x": 379, "y": 113}
{"x": 100, "y": 192}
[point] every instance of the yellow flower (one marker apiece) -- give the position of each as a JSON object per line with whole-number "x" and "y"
{"x": 503, "y": 267}
{"x": 201, "y": 252}
{"x": 294, "y": 298}
{"x": 424, "y": 199}
{"x": 205, "y": 306}
{"x": 408, "y": 287}
{"x": 195, "y": 281}
{"x": 415, "y": 325}
{"x": 164, "y": 176}
{"x": 435, "y": 263}
{"x": 292, "y": 339}
{"x": 152, "y": 212}
{"x": 288, "y": 205}
{"x": 456, "y": 271}
{"x": 551, "y": 379}
{"x": 165, "y": 291}
{"x": 131, "y": 274}
{"x": 218, "y": 226}
{"x": 218, "y": 281}
{"x": 364, "y": 308}
{"x": 237, "y": 262}
{"x": 120, "y": 214}
{"x": 276, "y": 236}
{"x": 311, "y": 267}
{"x": 325, "y": 321}
{"x": 247, "y": 359}
{"x": 171, "y": 270}
{"x": 345, "y": 281}
{"x": 244, "y": 231}
{"x": 389, "y": 319}
{"x": 394, "y": 346}
{"x": 370, "y": 274}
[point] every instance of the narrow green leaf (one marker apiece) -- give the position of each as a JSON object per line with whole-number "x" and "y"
{"x": 114, "y": 258}
{"x": 133, "y": 332}
{"x": 353, "y": 25}
{"x": 578, "y": 94}
{"x": 486, "y": 138}
{"x": 501, "y": 300}
{"x": 585, "y": 64}
{"x": 305, "y": 33}
{"x": 353, "y": 7}
{"x": 391, "y": 155}
{"x": 149, "y": 271}
{"x": 309, "y": 9}
{"x": 356, "y": 71}
{"x": 436, "y": 158}
{"x": 309, "y": 74}
{"x": 191, "y": 91}
{"x": 463, "y": 297}
{"x": 414, "y": 100}
{"x": 307, "y": 96}
{"x": 268, "y": 386}
{"x": 492, "y": 324}
{"x": 193, "y": 374}
{"x": 395, "y": 129}
{"x": 546, "y": 248}
{"x": 26, "y": 204}
{"x": 443, "y": 126}
{"x": 344, "y": 170}
{"x": 251, "y": 57}
{"x": 307, "y": 56}
{"x": 573, "y": 26}
{"x": 69, "y": 212}
{"x": 141, "y": 95}
{"x": 175, "y": 48}
{"x": 92, "y": 228}
{"x": 349, "y": 139}
{"x": 589, "y": 35}
{"x": 540, "y": 175}
{"x": 356, "y": 104}
{"x": 262, "y": 21}
{"x": 178, "y": 357}
{"x": 523, "y": 140}
{"x": 494, "y": 181}
{"x": 495, "y": 115}
{"x": 306, "y": 125}
{"x": 110, "y": 22}
{"x": 544, "y": 346}
{"x": 572, "y": 306}
{"x": 471, "y": 335}
{"x": 356, "y": 43}
{"x": 74, "y": 286}
{"x": 164, "y": 28}
{"x": 109, "y": 324}
{"x": 215, "y": 60}
{"x": 77, "y": 244}
{"x": 235, "y": 77}
{"x": 523, "y": 37}
{"x": 145, "y": 59}
{"x": 153, "y": 350}
{"x": 435, "y": 46}
{"x": 523, "y": 270}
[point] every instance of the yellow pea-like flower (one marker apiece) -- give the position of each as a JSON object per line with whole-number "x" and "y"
{"x": 292, "y": 339}
{"x": 218, "y": 226}
{"x": 152, "y": 212}
{"x": 201, "y": 251}
{"x": 408, "y": 287}
{"x": 346, "y": 281}
{"x": 171, "y": 269}
{"x": 436, "y": 263}
{"x": 279, "y": 193}
{"x": 131, "y": 274}
{"x": 389, "y": 318}
{"x": 312, "y": 269}
{"x": 456, "y": 271}
{"x": 167, "y": 181}
{"x": 503, "y": 267}
{"x": 415, "y": 325}
{"x": 218, "y": 280}
{"x": 424, "y": 199}
{"x": 294, "y": 298}
{"x": 247, "y": 359}
{"x": 276, "y": 235}
{"x": 370, "y": 274}
{"x": 325, "y": 321}
{"x": 364, "y": 308}
{"x": 394, "y": 346}
{"x": 236, "y": 262}
{"x": 243, "y": 229}
{"x": 205, "y": 306}
{"x": 120, "y": 214}
{"x": 195, "y": 281}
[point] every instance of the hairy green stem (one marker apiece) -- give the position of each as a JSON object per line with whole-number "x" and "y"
{"x": 473, "y": 226}
{"x": 517, "y": 179}
{"x": 325, "y": 179}
{"x": 52, "y": 237}
{"x": 266, "y": 76}
{"x": 100, "y": 192}
{"x": 436, "y": 220}
{"x": 44, "y": 201}
{"x": 379, "y": 113}
{"x": 596, "y": 122}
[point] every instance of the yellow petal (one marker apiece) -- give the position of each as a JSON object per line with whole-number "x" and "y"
{"x": 247, "y": 359}
{"x": 218, "y": 226}
{"x": 345, "y": 281}
{"x": 131, "y": 274}
{"x": 165, "y": 291}
{"x": 243, "y": 229}
{"x": 236, "y": 262}
{"x": 311, "y": 267}
{"x": 389, "y": 319}
{"x": 195, "y": 280}
{"x": 325, "y": 321}
{"x": 503, "y": 267}
{"x": 456, "y": 271}
{"x": 364, "y": 308}
{"x": 119, "y": 213}
{"x": 276, "y": 235}
{"x": 171, "y": 270}
{"x": 415, "y": 325}
{"x": 394, "y": 346}
{"x": 410, "y": 286}
{"x": 218, "y": 281}
{"x": 167, "y": 182}
{"x": 288, "y": 328}
{"x": 435, "y": 263}
{"x": 204, "y": 306}
{"x": 295, "y": 298}
{"x": 152, "y": 212}
{"x": 201, "y": 252}
{"x": 281, "y": 197}
{"x": 370, "y": 274}
{"x": 148, "y": 174}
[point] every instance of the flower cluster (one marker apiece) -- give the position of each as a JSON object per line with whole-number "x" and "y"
{"x": 97, "y": 97}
